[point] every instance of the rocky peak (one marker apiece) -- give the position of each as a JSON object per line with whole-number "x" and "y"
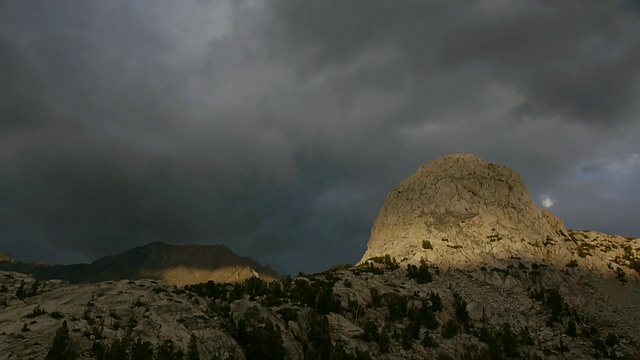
{"x": 462, "y": 211}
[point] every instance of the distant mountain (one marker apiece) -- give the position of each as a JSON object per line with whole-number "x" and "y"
{"x": 175, "y": 264}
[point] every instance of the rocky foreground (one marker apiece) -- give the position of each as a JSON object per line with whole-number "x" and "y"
{"x": 370, "y": 312}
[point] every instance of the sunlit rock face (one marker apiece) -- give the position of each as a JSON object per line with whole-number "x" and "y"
{"x": 460, "y": 211}
{"x": 470, "y": 212}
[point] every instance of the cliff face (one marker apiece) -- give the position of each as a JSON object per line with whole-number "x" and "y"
{"x": 461, "y": 211}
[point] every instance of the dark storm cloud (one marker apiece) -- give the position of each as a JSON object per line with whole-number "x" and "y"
{"x": 576, "y": 58}
{"x": 278, "y": 127}
{"x": 23, "y": 104}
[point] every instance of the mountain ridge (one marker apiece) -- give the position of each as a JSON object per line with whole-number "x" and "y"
{"x": 174, "y": 264}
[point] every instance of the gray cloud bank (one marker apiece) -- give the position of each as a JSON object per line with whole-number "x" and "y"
{"x": 278, "y": 127}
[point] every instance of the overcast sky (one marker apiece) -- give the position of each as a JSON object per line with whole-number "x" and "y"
{"x": 277, "y": 128}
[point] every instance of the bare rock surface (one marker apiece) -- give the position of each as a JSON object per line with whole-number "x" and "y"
{"x": 460, "y": 211}
{"x": 151, "y": 310}
{"x": 350, "y": 312}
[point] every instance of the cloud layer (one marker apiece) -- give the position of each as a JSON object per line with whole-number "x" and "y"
{"x": 277, "y": 127}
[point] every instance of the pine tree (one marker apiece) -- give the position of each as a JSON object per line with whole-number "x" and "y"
{"x": 34, "y": 289}
{"x": 20, "y": 293}
{"x": 166, "y": 350}
{"x": 58, "y": 350}
{"x": 428, "y": 341}
{"x": 192, "y": 352}
{"x": 116, "y": 350}
{"x": 141, "y": 350}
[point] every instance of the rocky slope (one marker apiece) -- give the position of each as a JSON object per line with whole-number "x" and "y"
{"x": 462, "y": 212}
{"x": 367, "y": 312}
{"x": 149, "y": 310}
{"x": 173, "y": 264}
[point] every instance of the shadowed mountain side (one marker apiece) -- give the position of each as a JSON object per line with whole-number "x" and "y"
{"x": 176, "y": 265}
